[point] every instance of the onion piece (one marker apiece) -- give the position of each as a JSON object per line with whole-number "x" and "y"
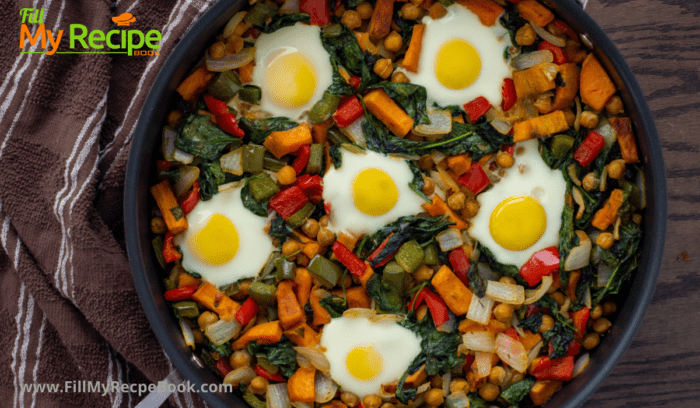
{"x": 188, "y": 175}
{"x": 381, "y": 50}
{"x": 233, "y": 184}
{"x": 604, "y": 275}
{"x": 580, "y": 255}
{"x": 187, "y": 334}
{"x": 530, "y": 109}
{"x": 503, "y": 127}
{"x": 531, "y": 59}
{"x": 480, "y": 309}
{"x": 587, "y": 299}
{"x": 446, "y": 380}
{"x": 448, "y": 180}
{"x": 232, "y": 23}
{"x": 512, "y": 352}
{"x": 354, "y": 132}
{"x": 315, "y": 357}
{"x": 577, "y": 121}
{"x": 169, "y": 136}
{"x": 578, "y": 198}
{"x": 483, "y": 363}
{"x": 277, "y": 396}
{"x": 549, "y": 37}
{"x": 512, "y": 294}
{"x": 222, "y": 331}
{"x": 289, "y": 7}
{"x": 448, "y": 326}
{"x": 534, "y": 352}
{"x": 449, "y": 239}
{"x": 533, "y": 295}
{"x": 360, "y": 312}
{"x": 440, "y": 124}
{"x": 479, "y": 341}
{"x": 182, "y": 157}
{"x": 437, "y": 156}
{"x": 457, "y": 399}
{"x": 232, "y": 162}
{"x": 606, "y": 130}
{"x": 573, "y": 174}
{"x": 299, "y": 404}
{"x": 237, "y": 60}
{"x": 324, "y": 388}
{"x": 439, "y": 182}
{"x": 581, "y": 364}
{"x": 241, "y": 375}
{"x": 603, "y": 179}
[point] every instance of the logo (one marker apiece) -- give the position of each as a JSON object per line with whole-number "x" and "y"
{"x": 83, "y": 41}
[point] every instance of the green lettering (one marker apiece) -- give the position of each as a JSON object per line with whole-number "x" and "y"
{"x": 95, "y": 36}
{"x": 152, "y": 37}
{"x": 79, "y": 37}
{"x": 135, "y": 45}
{"x": 110, "y": 44}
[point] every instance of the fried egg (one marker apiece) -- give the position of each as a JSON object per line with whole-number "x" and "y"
{"x": 461, "y": 59}
{"x": 368, "y": 191}
{"x": 292, "y": 68}
{"x": 225, "y": 242}
{"x": 521, "y": 214}
{"x": 365, "y": 354}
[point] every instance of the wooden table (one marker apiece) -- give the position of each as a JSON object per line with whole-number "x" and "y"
{"x": 660, "y": 39}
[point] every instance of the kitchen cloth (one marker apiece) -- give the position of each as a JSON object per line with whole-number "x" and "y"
{"x": 68, "y": 306}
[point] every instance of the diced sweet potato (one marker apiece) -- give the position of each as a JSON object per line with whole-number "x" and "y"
{"x": 625, "y": 138}
{"x": 456, "y": 296}
{"x": 386, "y": 110}
{"x": 266, "y": 333}
{"x": 541, "y": 126}
{"x": 596, "y": 85}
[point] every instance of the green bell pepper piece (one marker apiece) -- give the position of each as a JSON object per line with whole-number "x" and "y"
{"x": 335, "y": 136}
{"x": 430, "y": 254}
{"x": 315, "y": 164}
{"x": 393, "y": 283}
{"x": 253, "y": 401}
{"x": 284, "y": 269}
{"x": 327, "y": 271}
{"x": 253, "y": 156}
{"x": 263, "y": 293}
{"x": 251, "y": 94}
{"x": 324, "y": 108}
{"x": 172, "y": 280}
{"x": 157, "y": 244}
{"x": 225, "y": 86}
{"x": 410, "y": 256}
{"x": 272, "y": 163}
{"x": 262, "y": 188}
{"x": 561, "y": 144}
{"x": 187, "y": 308}
{"x": 260, "y": 12}
{"x": 298, "y": 218}
{"x": 393, "y": 267}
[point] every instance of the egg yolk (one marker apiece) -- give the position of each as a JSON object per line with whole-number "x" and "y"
{"x": 364, "y": 362}
{"x": 216, "y": 243}
{"x": 517, "y": 222}
{"x": 374, "y": 192}
{"x": 458, "y": 64}
{"x": 290, "y": 79}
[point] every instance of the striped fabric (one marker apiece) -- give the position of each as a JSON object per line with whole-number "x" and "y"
{"x": 68, "y": 309}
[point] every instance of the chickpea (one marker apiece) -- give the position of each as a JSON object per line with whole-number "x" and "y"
{"x": 507, "y": 279}
{"x": 372, "y": 401}
{"x": 234, "y": 44}
{"x": 388, "y": 405}
{"x": 347, "y": 281}
{"x": 604, "y": 240}
{"x": 302, "y": 260}
{"x": 365, "y": 10}
{"x": 570, "y": 117}
{"x": 290, "y": 246}
{"x": 459, "y": 384}
{"x": 239, "y": 358}
{"x": 504, "y": 160}
{"x": 616, "y": 169}
{"x": 436, "y": 381}
{"x": 240, "y": 29}
{"x": 614, "y": 105}
{"x": 158, "y": 225}
{"x": 456, "y": 201}
{"x": 601, "y": 325}
{"x": 497, "y": 375}
{"x": 399, "y": 76}
{"x": 591, "y": 341}
{"x": 258, "y": 386}
{"x": 609, "y": 308}
{"x": 637, "y": 218}
{"x": 198, "y": 336}
{"x": 437, "y": 11}
{"x": 428, "y": 186}
{"x": 503, "y": 312}
{"x": 421, "y": 312}
{"x": 555, "y": 30}
{"x": 434, "y": 397}
{"x": 310, "y": 228}
{"x": 525, "y": 35}
{"x": 325, "y": 237}
{"x": 207, "y": 318}
{"x": 339, "y": 11}
{"x": 393, "y": 42}
{"x": 286, "y": 175}
{"x": 547, "y": 324}
{"x": 489, "y": 392}
{"x": 559, "y": 298}
{"x": 351, "y": 19}
{"x": 425, "y": 162}
{"x": 590, "y": 182}
{"x": 383, "y": 68}
{"x": 217, "y": 50}
{"x": 589, "y": 119}
{"x": 410, "y": 11}
{"x": 471, "y": 207}
{"x": 423, "y": 274}
{"x": 244, "y": 287}
{"x": 596, "y": 312}
{"x": 543, "y": 104}
{"x": 174, "y": 118}
{"x": 349, "y": 399}
{"x": 323, "y": 221}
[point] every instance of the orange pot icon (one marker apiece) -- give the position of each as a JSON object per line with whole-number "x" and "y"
{"x": 124, "y": 19}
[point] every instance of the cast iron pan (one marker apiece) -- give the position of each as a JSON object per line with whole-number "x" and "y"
{"x": 140, "y": 175}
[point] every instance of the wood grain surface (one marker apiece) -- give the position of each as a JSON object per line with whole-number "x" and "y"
{"x": 660, "y": 40}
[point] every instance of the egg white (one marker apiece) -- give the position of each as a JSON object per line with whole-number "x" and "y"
{"x": 537, "y": 181}
{"x": 489, "y": 42}
{"x": 254, "y": 247}
{"x": 397, "y": 345}
{"x": 338, "y": 192}
{"x": 299, "y": 37}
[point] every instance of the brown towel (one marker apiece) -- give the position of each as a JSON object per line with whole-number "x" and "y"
{"x": 68, "y": 309}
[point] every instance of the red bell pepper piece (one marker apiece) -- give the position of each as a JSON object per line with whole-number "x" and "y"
{"x": 512, "y": 333}
{"x": 460, "y": 264}
{"x": 379, "y": 249}
{"x": 565, "y": 28}
{"x": 477, "y": 108}
{"x": 355, "y": 82}
{"x": 540, "y": 264}
{"x": 475, "y": 179}
{"x": 437, "y": 306}
{"x": 223, "y": 367}
{"x": 508, "y": 149}
{"x": 191, "y": 199}
{"x": 589, "y": 149}
{"x": 356, "y": 266}
{"x": 227, "y": 122}
{"x": 215, "y": 106}
{"x": 318, "y": 10}
{"x": 349, "y": 110}
{"x": 302, "y": 159}
{"x": 468, "y": 361}
{"x": 288, "y": 201}
{"x": 573, "y": 350}
{"x": 508, "y": 94}
{"x": 559, "y": 57}
{"x": 253, "y": 32}
{"x": 268, "y": 375}
{"x": 532, "y": 309}
{"x": 312, "y": 186}
{"x": 580, "y": 319}
{"x": 177, "y": 294}
{"x": 170, "y": 253}
{"x": 554, "y": 369}
{"x": 163, "y": 165}
{"x": 247, "y": 311}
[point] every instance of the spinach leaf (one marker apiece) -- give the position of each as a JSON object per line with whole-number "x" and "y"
{"x": 454, "y": 109}
{"x": 283, "y": 20}
{"x": 174, "y": 174}
{"x": 622, "y": 258}
{"x": 475, "y": 401}
{"x": 405, "y": 26}
{"x": 511, "y": 21}
{"x": 249, "y": 202}
{"x": 210, "y": 177}
{"x": 567, "y": 238}
{"x": 516, "y": 392}
{"x": 342, "y": 45}
{"x": 335, "y": 305}
{"x": 388, "y": 297}
{"x": 259, "y": 129}
{"x": 279, "y": 229}
{"x": 280, "y": 354}
{"x": 592, "y": 199}
{"x": 208, "y": 360}
{"x": 477, "y": 282}
{"x": 200, "y": 137}
{"x": 502, "y": 269}
{"x": 563, "y": 331}
{"x": 532, "y": 323}
{"x": 335, "y": 153}
{"x": 605, "y": 157}
{"x": 354, "y": 3}
{"x": 339, "y": 86}
{"x": 545, "y": 148}
{"x": 417, "y": 183}
{"x": 411, "y": 97}
{"x": 223, "y": 349}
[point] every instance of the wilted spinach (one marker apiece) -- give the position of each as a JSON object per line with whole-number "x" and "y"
{"x": 335, "y": 305}
{"x": 279, "y": 228}
{"x": 210, "y": 177}
{"x": 283, "y": 20}
{"x": 417, "y": 183}
{"x": 502, "y": 269}
{"x": 567, "y": 238}
{"x": 259, "y": 129}
{"x": 403, "y": 229}
{"x": 342, "y": 45}
{"x": 388, "y": 297}
{"x": 259, "y": 209}
{"x": 200, "y": 137}
{"x": 622, "y": 258}
{"x": 477, "y": 282}
{"x": 339, "y": 86}
{"x": 532, "y": 323}
{"x": 516, "y": 392}
{"x": 281, "y": 354}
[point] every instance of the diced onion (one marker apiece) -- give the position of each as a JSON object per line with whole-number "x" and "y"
{"x": 182, "y": 157}
{"x": 479, "y": 341}
{"x": 188, "y": 175}
{"x": 232, "y": 23}
{"x": 354, "y": 132}
{"x": 241, "y": 375}
{"x": 449, "y": 325}
{"x": 446, "y": 380}
{"x": 501, "y": 126}
{"x": 512, "y": 352}
{"x": 534, "y": 352}
{"x": 578, "y": 198}
{"x": 299, "y": 404}
{"x": 359, "y": 312}
{"x": 187, "y": 334}
{"x": 304, "y": 362}
{"x": 581, "y": 364}
{"x": 603, "y": 179}
{"x": 549, "y": 37}
{"x": 577, "y": 121}
{"x": 457, "y": 399}
{"x": 572, "y": 173}
{"x": 437, "y": 156}
{"x": 277, "y": 396}
{"x": 448, "y": 180}
{"x": 439, "y": 182}
{"x": 324, "y": 388}
{"x": 381, "y": 50}
{"x": 232, "y": 162}
{"x": 580, "y": 255}
{"x": 606, "y": 130}
{"x": 531, "y": 59}
{"x": 316, "y": 357}
{"x": 480, "y": 309}
{"x": 237, "y": 60}
{"x": 169, "y": 136}
{"x": 222, "y": 331}
{"x": 449, "y": 239}
{"x": 533, "y": 295}
{"x": 440, "y": 124}
{"x": 483, "y": 363}
{"x": 289, "y": 7}
{"x": 505, "y": 292}
{"x": 530, "y": 109}
{"x": 587, "y": 300}
{"x": 604, "y": 274}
